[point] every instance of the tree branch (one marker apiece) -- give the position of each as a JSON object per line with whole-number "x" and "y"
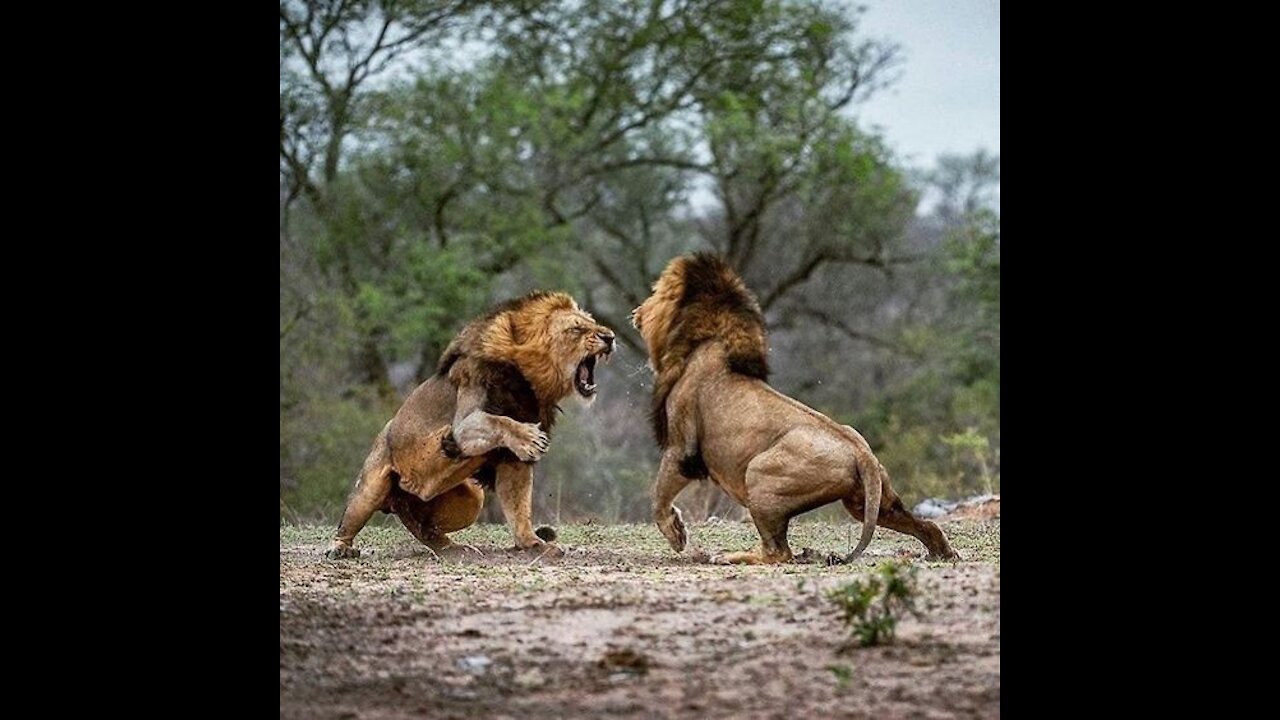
{"x": 616, "y": 282}
{"x": 857, "y": 335}
{"x": 613, "y": 166}
{"x": 298, "y": 314}
{"x": 805, "y": 271}
{"x": 792, "y": 279}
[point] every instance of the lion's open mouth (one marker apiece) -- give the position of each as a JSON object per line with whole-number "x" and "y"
{"x": 584, "y": 378}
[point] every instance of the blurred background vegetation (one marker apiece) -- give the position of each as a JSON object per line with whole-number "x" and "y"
{"x": 439, "y": 156}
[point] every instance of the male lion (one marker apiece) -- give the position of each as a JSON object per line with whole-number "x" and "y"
{"x": 485, "y": 414}
{"x": 715, "y": 416}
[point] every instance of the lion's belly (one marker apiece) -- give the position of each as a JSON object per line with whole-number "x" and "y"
{"x": 734, "y": 487}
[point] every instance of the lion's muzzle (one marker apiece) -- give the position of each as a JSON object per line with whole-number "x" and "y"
{"x": 584, "y": 377}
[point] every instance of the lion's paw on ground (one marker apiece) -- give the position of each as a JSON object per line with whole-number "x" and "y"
{"x": 341, "y": 552}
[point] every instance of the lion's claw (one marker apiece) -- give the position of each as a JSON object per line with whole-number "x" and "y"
{"x": 531, "y": 443}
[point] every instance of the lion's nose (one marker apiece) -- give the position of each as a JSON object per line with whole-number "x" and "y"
{"x": 606, "y": 338}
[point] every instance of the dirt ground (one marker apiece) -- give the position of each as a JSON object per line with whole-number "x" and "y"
{"x": 623, "y": 627}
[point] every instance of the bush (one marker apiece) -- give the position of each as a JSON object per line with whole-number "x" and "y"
{"x": 871, "y": 607}
{"x": 323, "y": 443}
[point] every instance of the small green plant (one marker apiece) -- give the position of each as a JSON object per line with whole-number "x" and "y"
{"x": 872, "y": 606}
{"x": 843, "y": 674}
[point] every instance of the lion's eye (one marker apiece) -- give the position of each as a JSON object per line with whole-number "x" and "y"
{"x": 577, "y": 330}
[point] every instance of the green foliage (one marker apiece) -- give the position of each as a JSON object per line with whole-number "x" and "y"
{"x": 916, "y": 461}
{"x": 561, "y": 148}
{"x": 977, "y": 447}
{"x": 872, "y": 606}
{"x": 940, "y": 419}
{"x": 322, "y": 448}
{"x": 590, "y": 473}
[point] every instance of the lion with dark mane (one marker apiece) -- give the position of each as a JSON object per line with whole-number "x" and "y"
{"x": 480, "y": 422}
{"x": 715, "y": 416}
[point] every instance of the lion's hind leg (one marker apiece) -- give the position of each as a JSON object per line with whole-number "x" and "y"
{"x": 895, "y": 516}
{"x": 770, "y": 511}
{"x": 430, "y": 521}
{"x": 773, "y": 546}
{"x": 434, "y": 465}
{"x": 793, "y": 476}
{"x": 377, "y": 477}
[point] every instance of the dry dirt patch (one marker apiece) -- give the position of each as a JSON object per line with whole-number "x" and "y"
{"x": 624, "y": 627}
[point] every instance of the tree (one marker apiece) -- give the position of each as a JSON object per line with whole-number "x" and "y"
{"x": 330, "y": 52}
{"x": 438, "y": 156}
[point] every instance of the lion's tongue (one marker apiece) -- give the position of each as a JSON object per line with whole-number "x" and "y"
{"x": 584, "y": 375}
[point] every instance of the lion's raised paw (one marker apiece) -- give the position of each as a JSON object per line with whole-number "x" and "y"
{"x": 531, "y": 443}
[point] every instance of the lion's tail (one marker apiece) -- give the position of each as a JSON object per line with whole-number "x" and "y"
{"x": 873, "y": 476}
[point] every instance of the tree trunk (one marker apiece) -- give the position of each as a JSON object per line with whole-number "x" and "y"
{"x": 372, "y": 370}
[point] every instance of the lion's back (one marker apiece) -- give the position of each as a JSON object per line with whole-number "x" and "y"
{"x": 428, "y": 408}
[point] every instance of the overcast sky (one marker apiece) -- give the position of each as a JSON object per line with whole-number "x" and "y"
{"x": 947, "y": 99}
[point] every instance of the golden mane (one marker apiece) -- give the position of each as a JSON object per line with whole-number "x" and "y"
{"x": 517, "y": 332}
{"x": 699, "y": 298}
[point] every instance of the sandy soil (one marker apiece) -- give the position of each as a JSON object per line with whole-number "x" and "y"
{"x": 621, "y": 626}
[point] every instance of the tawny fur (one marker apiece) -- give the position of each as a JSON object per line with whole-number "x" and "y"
{"x": 715, "y": 415}
{"x": 483, "y": 418}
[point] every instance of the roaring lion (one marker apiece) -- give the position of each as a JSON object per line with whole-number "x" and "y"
{"x": 485, "y": 414}
{"x": 715, "y": 416}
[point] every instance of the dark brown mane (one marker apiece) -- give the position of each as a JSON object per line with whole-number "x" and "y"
{"x": 715, "y": 306}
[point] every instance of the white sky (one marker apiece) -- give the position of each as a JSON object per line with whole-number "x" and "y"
{"x": 947, "y": 99}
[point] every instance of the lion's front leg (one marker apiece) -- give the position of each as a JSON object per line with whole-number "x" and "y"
{"x": 514, "y": 483}
{"x": 480, "y": 432}
{"x": 665, "y": 489}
